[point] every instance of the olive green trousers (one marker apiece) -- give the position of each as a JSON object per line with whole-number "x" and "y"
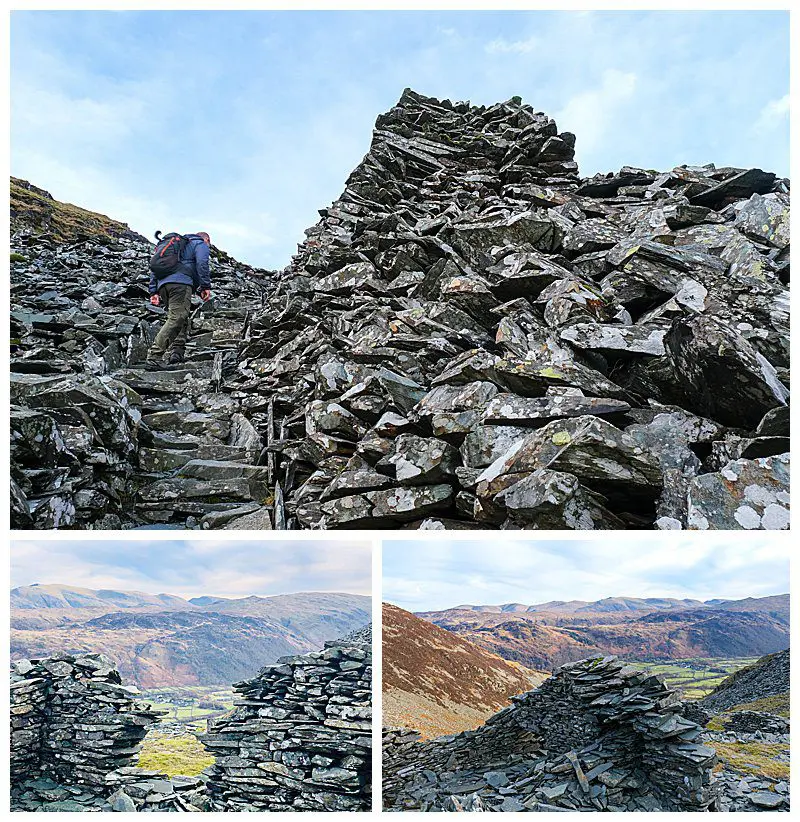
{"x": 177, "y": 299}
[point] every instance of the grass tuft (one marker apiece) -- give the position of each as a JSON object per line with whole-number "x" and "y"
{"x": 181, "y": 755}
{"x": 760, "y": 758}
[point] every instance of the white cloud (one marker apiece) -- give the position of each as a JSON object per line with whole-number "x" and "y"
{"x": 196, "y": 567}
{"x": 774, "y": 114}
{"x": 427, "y": 575}
{"x": 502, "y": 46}
{"x": 590, "y": 114}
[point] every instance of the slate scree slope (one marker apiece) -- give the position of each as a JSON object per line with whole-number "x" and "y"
{"x": 471, "y": 336}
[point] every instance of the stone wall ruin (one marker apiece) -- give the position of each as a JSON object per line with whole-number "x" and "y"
{"x": 298, "y": 739}
{"x": 73, "y": 720}
{"x": 597, "y": 735}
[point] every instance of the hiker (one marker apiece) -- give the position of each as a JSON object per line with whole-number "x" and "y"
{"x": 172, "y": 285}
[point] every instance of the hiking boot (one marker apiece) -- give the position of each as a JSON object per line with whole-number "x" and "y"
{"x": 151, "y": 365}
{"x": 175, "y": 358}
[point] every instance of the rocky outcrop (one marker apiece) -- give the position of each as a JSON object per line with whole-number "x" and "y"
{"x": 597, "y": 735}
{"x": 299, "y": 737}
{"x": 471, "y": 336}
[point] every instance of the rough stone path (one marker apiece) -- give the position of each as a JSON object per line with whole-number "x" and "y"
{"x": 99, "y": 441}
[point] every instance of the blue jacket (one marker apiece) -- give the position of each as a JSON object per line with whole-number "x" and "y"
{"x": 193, "y": 269}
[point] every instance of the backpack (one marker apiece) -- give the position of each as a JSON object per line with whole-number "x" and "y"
{"x": 167, "y": 255}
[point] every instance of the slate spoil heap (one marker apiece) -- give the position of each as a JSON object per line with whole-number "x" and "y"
{"x": 597, "y": 736}
{"x": 75, "y": 734}
{"x": 735, "y": 716}
{"x": 299, "y": 736}
{"x": 767, "y": 677}
{"x": 471, "y": 336}
{"x": 96, "y": 440}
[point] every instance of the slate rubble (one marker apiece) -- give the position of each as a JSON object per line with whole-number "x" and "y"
{"x": 610, "y": 349}
{"x": 468, "y": 292}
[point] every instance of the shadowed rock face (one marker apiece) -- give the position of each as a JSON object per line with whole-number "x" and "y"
{"x": 597, "y": 735}
{"x": 636, "y": 321}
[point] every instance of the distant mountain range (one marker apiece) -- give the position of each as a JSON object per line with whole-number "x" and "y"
{"x": 549, "y": 634}
{"x": 438, "y": 683}
{"x": 159, "y": 640}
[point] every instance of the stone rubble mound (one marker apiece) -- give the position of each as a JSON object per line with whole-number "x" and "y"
{"x": 299, "y": 738}
{"x": 474, "y": 336}
{"x": 96, "y": 440}
{"x": 596, "y": 736}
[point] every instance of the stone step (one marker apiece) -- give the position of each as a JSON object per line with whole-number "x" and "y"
{"x": 176, "y": 491}
{"x": 189, "y": 422}
{"x": 219, "y": 469}
{"x": 159, "y": 460}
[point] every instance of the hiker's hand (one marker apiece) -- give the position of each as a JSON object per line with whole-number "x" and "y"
{"x": 154, "y": 299}
{"x": 205, "y": 295}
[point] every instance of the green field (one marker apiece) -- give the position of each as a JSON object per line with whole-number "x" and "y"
{"x": 695, "y": 678}
{"x": 183, "y": 704}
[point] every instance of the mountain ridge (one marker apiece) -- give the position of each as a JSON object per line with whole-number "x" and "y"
{"x": 439, "y": 683}
{"x": 632, "y": 628}
{"x": 159, "y": 640}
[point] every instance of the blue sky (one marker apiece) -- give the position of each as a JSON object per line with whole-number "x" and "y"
{"x": 188, "y": 568}
{"x": 435, "y": 574}
{"x": 246, "y": 123}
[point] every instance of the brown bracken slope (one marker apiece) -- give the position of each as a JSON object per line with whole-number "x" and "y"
{"x": 438, "y": 683}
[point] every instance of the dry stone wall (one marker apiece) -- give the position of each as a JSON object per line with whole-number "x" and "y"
{"x": 597, "y": 735}
{"x": 73, "y": 720}
{"x": 299, "y": 737}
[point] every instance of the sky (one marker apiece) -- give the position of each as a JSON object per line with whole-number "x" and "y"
{"x": 427, "y": 575}
{"x": 190, "y": 568}
{"x": 244, "y": 124}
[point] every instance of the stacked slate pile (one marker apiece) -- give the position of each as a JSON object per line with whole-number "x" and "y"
{"x": 96, "y": 440}
{"x": 28, "y": 716}
{"x": 299, "y": 736}
{"x": 597, "y": 735}
{"x": 475, "y": 336}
